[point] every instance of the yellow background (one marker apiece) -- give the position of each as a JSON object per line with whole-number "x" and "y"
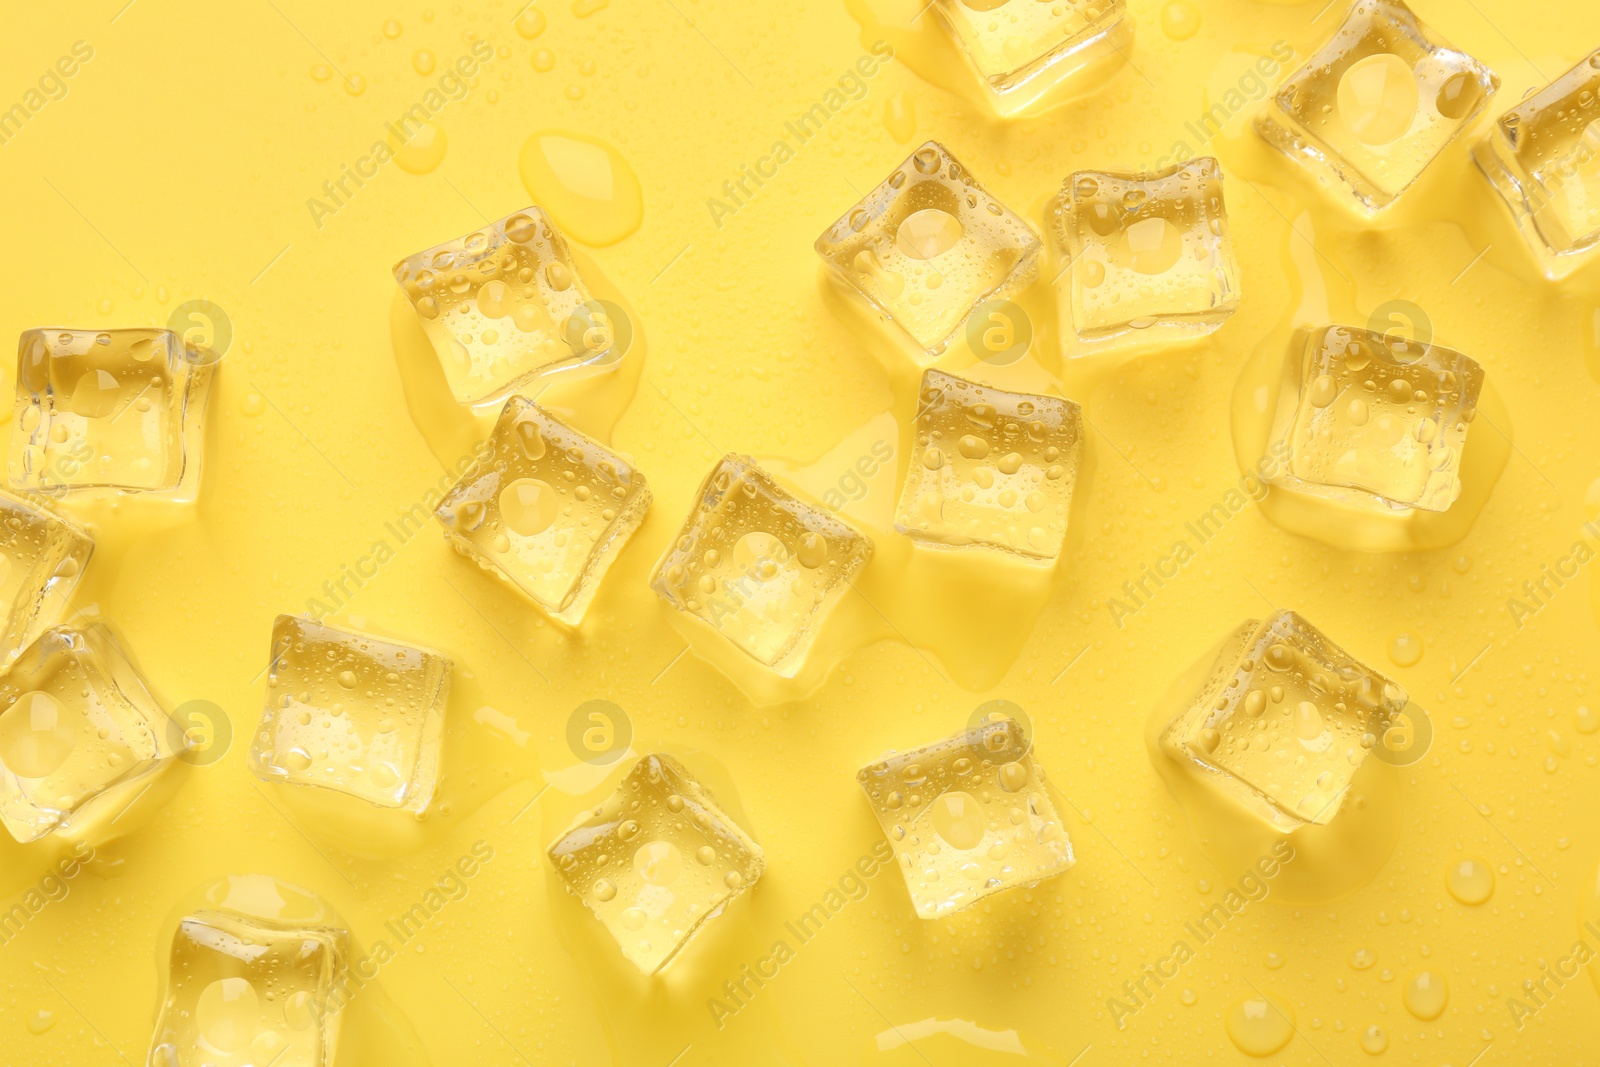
{"x": 178, "y": 166}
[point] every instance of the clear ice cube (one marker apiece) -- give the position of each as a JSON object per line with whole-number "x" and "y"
{"x": 1544, "y": 158}
{"x": 118, "y": 409}
{"x": 81, "y": 736}
{"x": 1370, "y": 419}
{"x": 1024, "y": 46}
{"x": 1148, "y": 253}
{"x": 1377, "y": 103}
{"x": 759, "y": 565}
{"x": 548, "y": 510}
{"x": 245, "y": 991}
{"x": 656, "y": 861}
{"x": 1284, "y": 721}
{"x": 505, "y": 308}
{"x": 354, "y": 713}
{"x": 42, "y": 556}
{"x": 991, "y": 468}
{"x": 968, "y": 816}
{"x": 927, "y": 246}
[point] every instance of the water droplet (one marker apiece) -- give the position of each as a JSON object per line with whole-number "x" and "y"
{"x": 958, "y": 818}
{"x": 1426, "y": 995}
{"x": 528, "y": 506}
{"x": 1180, "y": 20}
{"x": 900, "y": 116}
{"x": 1374, "y": 1040}
{"x": 531, "y": 22}
{"x": 584, "y": 183}
{"x": 1405, "y": 648}
{"x": 423, "y": 151}
{"x": 1260, "y": 1025}
{"x": 1470, "y": 881}
{"x": 422, "y": 61}
{"x": 1377, "y": 98}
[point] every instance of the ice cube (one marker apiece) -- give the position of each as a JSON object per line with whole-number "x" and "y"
{"x": 548, "y": 509}
{"x": 1377, "y": 103}
{"x": 42, "y": 556}
{"x": 991, "y": 468}
{"x": 1284, "y": 721}
{"x": 1373, "y": 420}
{"x": 351, "y": 712}
{"x": 506, "y": 309}
{"x": 1148, "y": 253}
{"x": 927, "y": 246}
{"x": 968, "y": 816}
{"x": 81, "y": 736}
{"x": 656, "y": 861}
{"x": 1544, "y": 157}
{"x": 759, "y": 565}
{"x": 1022, "y": 47}
{"x": 245, "y": 991}
{"x": 119, "y": 409}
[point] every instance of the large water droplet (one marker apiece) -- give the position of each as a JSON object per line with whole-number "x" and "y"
{"x": 585, "y": 185}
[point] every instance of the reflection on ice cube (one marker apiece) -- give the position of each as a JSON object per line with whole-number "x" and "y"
{"x": 42, "y": 556}
{"x": 112, "y": 409}
{"x": 1543, "y": 156}
{"x": 1022, "y": 49}
{"x": 927, "y": 246}
{"x": 354, "y": 713}
{"x": 1376, "y": 104}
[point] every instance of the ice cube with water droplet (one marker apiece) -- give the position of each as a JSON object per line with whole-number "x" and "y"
{"x": 1373, "y": 420}
{"x": 506, "y": 309}
{"x": 546, "y": 508}
{"x": 991, "y": 468}
{"x": 1376, "y": 104}
{"x": 927, "y": 246}
{"x": 81, "y": 736}
{"x": 968, "y": 816}
{"x": 759, "y": 565}
{"x": 113, "y": 409}
{"x": 1283, "y": 721}
{"x": 657, "y": 860}
{"x": 351, "y": 712}
{"x": 1022, "y": 48}
{"x": 246, "y": 991}
{"x": 42, "y": 556}
{"x": 1543, "y": 156}
{"x": 1147, "y": 254}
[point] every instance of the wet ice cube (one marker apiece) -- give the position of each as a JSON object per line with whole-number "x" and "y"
{"x": 1148, "y": 253}
{"x": 927, "y": 246}
{"x": 1377, "y": 103}
{"x": 968, "y": 816}
{"x": 657, "y": 860}
{"x": 761, "y": 566}
{"x": 1544, "y": 158}
{"x": 991, "y": 468}
{"x": 1021, "y": 47}
{"x": 548, "y": 509}
{"x": 120, "y": 409}
{"x": 506, "y": 309}
{"x": 1284, "y": 721}
{"x": 81, "y": 736}
{"x": 1367, "y": 418}
{"x": 351, "y": 712}
{"x": 42, "y": 556}
{"x": 244, "y": 991}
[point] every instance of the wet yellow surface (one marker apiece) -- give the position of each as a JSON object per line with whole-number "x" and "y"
{"x": 237, "y": 173}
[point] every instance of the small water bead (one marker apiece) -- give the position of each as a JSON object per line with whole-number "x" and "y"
{"x": 1426, "y": 995}
{"x": 543, "y": 60}
{"x": 392, "y": 29}
{"x": 1374, "y": 1040}
{"x": 1470, "y": 881}
{"x": 531, "y": 22}
{"x": 1180, "y": 20}
{"x": 1587, "y": 719}
{"x": 1405, "y": 648}
{"x": 1362, "y": 959}
{"x": 1259, "y": 1025}
{"x": 355, "y": 84}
